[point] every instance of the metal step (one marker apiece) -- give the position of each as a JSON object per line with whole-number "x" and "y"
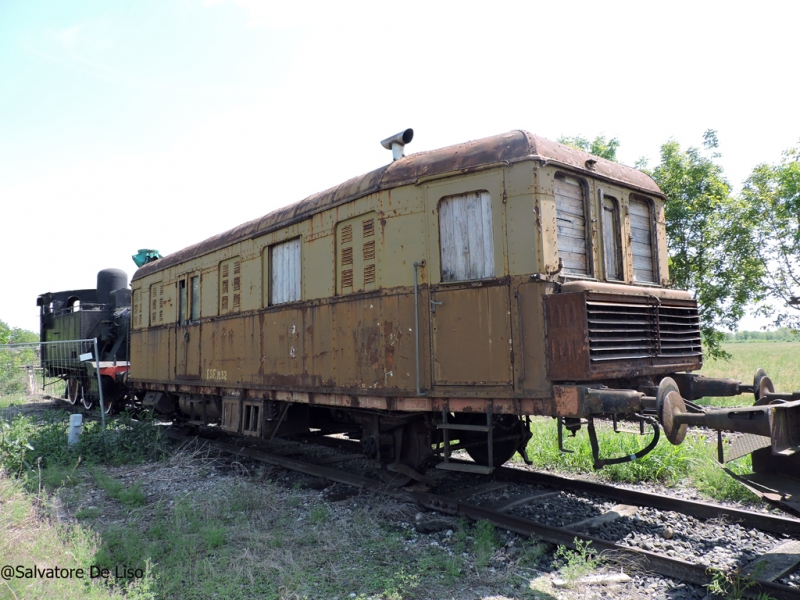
{"x": 455, "y": 426}
{"x": 464, "y": 468}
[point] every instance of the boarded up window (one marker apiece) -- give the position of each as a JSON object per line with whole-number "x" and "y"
{"x": 571, "y": 225}
{"x": 465, "y": 237}
{"x": 611, "y": 238}
{"x": 157, "y": 304}
{"x": 285, "y": 272}
{"x": 641, "y": 216}
{"x": 356, "y": 254}
{"x": 230, "y": 284}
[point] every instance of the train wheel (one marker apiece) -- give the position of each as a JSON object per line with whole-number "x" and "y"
{"x": 509, "y": 431}
{"x": 415, "y": 449}
{"x": 73, "y": 391}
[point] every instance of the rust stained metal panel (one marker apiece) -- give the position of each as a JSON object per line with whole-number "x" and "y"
{"x": 567, "y": 336}
{"x": 471, "y": 336}
{"x": 282, "y": 351}
{"x": 225, "y": 361}
{"x": 506, "y": 148}
{"x": 531, "y": 367}
{"x": 567, "y": 401}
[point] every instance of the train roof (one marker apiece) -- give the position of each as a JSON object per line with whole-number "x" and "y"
{"x": 507, "y": 148}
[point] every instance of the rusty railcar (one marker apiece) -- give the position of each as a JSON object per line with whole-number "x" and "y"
{"x": 443, "y": 297}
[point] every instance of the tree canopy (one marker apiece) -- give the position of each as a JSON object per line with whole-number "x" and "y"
{"x": 599, "y": 146}
{"x": 771, "y": 210}
{"x": 15, "y": 335}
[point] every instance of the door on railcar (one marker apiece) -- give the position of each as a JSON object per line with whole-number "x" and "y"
{"x": 187, "y": 347}
{"x": 470, "y": 312}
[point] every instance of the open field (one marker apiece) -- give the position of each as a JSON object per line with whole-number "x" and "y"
{"x": 780, "y": 359}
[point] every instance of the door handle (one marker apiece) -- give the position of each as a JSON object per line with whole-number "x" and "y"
{"x": 433, "y": 306}
{"x": 185, "y": 336}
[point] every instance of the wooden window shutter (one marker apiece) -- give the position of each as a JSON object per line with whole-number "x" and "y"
{"x": 571, "y": 225}
{"x": 641, "y": 218}
{"x": 466, "y": 237}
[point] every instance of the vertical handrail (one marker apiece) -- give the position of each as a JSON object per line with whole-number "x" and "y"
{"x": 100, "y": 387}
{"x": 416, "y": 324}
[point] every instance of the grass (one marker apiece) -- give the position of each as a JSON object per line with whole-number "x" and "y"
{"x": 194, "y": 531}
{"x": 780, "y": 359}
{"x": 28, "y": 538}
{"x": 694, "y": 461}
{"x": 577, "y": 563}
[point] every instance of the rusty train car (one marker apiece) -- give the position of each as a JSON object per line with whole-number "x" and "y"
{"x": 434, "y": 303}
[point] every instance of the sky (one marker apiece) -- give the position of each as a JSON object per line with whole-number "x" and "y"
{"x": 159, "y": 123}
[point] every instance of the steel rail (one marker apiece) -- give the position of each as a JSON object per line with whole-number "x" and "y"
{"x": 664, "y": 565}
{"x": 694, "y": 508}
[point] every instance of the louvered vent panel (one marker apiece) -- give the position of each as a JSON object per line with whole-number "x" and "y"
{"x": 369, "y": 250}
{"x": 347, "y": 278}
{"x": 369, "y": 274}
{"x": 236, "y": 301}
{"x": 347, "y": 256}
{"x": 225, "y": 270}
{"x": 369, "y": 227}
{"x": 620, "y": 331}
{"x": 347, "y": 234}
{"x": 224, "y": 303}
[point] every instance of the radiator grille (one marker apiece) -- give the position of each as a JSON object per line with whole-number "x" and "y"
{"x": 620, "y": 331}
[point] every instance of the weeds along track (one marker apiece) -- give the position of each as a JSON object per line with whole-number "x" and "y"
{"x": 684, "y": 540}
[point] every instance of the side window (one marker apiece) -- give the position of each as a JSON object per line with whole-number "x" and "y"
{"x": 194, "y": 313}
{"x": 230, "y": 285}
{"x": 189, "y": 300}
{"x": 641, "y": 216}
{"x": 284, "y": 270}
{"x": 465, "y": 237}
{"x": 156, "y": 304}
{"x": 182, "y": 302}
{"x": 356, "y": 254}
{"x": 571, "y": 224}
{"x": 611, "y": 237}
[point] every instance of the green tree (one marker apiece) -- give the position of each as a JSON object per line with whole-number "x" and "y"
{"x": 710, "y": 248}
{"x": 15, "y": 335}
{"x": 771, "y": 209}
{"x": 12, "y": 378}
{"x": 599, "y": 146}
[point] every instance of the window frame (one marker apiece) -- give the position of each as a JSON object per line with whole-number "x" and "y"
{"x": 188, "y": 299}
{"x": 651, "y": 207}
{"x": 270, "y": 271}
{"x": 489, "y": 258}
{"x": 591, "y": 270}
{"x": 616, "y": 233}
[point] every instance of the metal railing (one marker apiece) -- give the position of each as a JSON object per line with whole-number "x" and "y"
{"x": 33, "y": 368}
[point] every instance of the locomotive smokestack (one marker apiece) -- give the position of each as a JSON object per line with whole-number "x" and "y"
{"x": 396, "y": 143}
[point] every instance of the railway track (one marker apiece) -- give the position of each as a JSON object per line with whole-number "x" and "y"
{"x": 512, "y": 496}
